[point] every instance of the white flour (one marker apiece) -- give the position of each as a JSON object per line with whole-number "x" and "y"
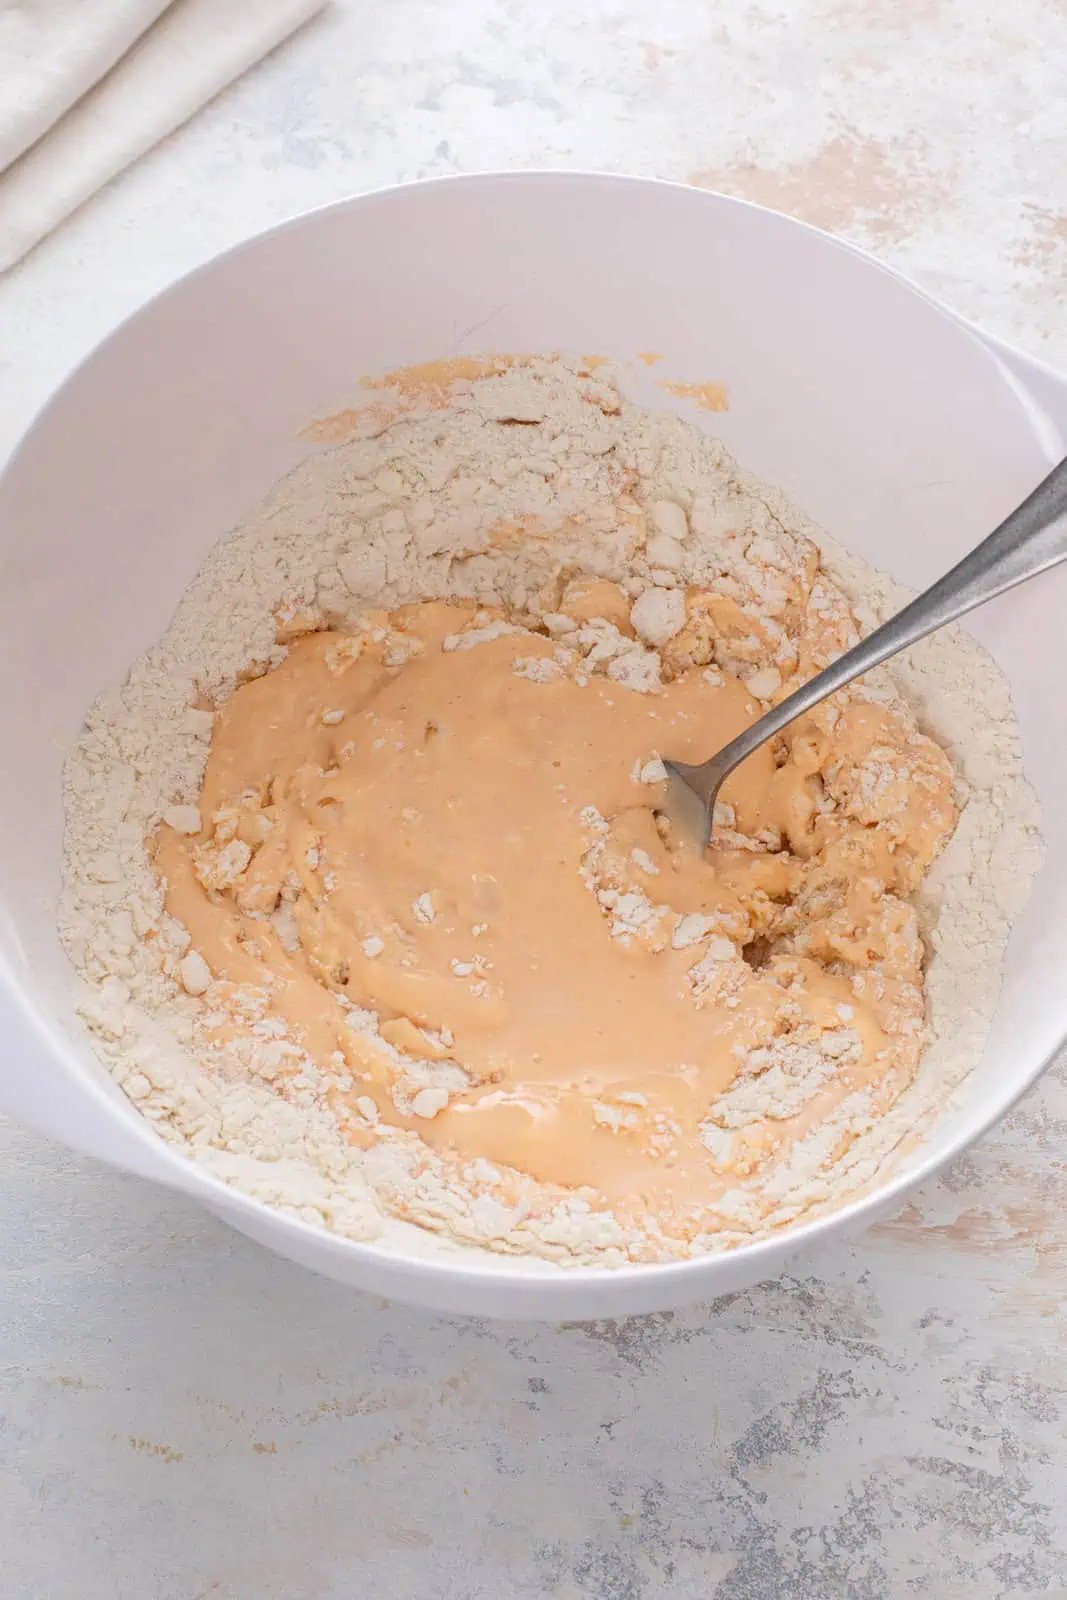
{"x": 415, "y": 512}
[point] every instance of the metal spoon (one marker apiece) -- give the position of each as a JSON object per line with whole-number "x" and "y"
{"x": 1030, "y": 540}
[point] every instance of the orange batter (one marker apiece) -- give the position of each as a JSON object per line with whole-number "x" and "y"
{"x": 464, "y": 842}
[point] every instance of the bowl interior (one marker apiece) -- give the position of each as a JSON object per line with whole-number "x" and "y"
{"x": 896, "y": 427}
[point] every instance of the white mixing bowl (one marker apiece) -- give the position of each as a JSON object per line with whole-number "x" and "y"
{"x": 899, "y": 428}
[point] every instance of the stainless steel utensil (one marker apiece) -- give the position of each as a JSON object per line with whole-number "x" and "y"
{"x": 1032, "y": 539}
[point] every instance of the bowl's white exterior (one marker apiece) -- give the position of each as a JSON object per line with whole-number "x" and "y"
{"x": 902, "y": 430}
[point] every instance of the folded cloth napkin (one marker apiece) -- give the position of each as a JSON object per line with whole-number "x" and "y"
{"x": 87, "y": 86}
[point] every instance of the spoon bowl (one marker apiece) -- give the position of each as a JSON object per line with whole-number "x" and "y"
{"x": 894, "y": 424}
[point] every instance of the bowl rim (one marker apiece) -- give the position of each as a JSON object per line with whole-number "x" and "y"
{"x": 180, "y": 1171}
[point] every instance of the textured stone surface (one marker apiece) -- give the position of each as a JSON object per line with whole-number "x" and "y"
{"x": 184, "y": 1417}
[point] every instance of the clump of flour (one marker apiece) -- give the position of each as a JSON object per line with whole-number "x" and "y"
{"x": 527, "y": 478}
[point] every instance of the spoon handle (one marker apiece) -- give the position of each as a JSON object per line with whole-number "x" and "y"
{"x": 1030, "y": 540}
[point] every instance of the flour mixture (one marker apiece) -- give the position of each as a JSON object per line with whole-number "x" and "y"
{"x": 369, "y": 881}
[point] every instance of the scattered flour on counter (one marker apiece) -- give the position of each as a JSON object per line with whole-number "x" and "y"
{"x": 439, "y": 505}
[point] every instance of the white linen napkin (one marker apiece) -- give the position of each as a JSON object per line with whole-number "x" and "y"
{"x": 87, "y": 86}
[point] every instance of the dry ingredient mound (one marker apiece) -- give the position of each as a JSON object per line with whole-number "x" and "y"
{"x": 618, "y": 545}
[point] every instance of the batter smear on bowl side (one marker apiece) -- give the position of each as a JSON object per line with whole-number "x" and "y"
{"x": 368, "y": 877}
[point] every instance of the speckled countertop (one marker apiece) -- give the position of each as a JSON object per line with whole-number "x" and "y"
{"x": 184, "y": 1417}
